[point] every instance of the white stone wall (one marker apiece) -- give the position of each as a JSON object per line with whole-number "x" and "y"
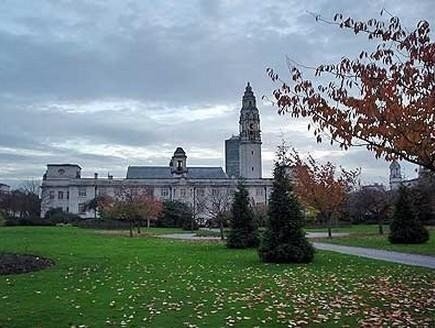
{"x": 76, "y": 192}
{"x": 250, "y": 160}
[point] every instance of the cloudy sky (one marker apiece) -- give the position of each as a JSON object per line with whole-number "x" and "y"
{"x": 107, "y": 84}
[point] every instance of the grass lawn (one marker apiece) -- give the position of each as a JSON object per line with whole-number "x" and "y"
{"x": 368, "y": 236}
{"x": 102, "y": 280}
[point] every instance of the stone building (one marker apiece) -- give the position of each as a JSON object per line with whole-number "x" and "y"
{"x": 64, "y": 187}
{"x": 397, "y": 180}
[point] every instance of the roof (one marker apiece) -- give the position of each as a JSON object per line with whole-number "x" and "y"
{"x": 164, "y": 172}
{"x": 179, "y": 151}
{"x": 70, "y": 165}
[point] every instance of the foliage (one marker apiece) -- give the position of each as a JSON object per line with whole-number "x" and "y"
{"x": 406, "y": 228}
{"x": 260, "y": 214}
{"x": 2, "y": 219}
{"x": 368, "y": 205}
{"x": 57, "y": 215}
{"x": 366, "y": 100}
{"x": 176, "y": 214}
{"x": 423, "y": 195}
{"x": 284, "y": 238}
{"x": 318, "y": 186}
{"x": 132, "y": 205}
{"x": 243, "y": 232}
{"x": 20, "y": 203}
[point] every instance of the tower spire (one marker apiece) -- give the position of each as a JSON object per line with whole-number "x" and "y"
{"x": 250, "y": 136}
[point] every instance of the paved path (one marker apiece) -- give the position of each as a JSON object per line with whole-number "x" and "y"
{"x": 378, "y": 254}
{"x": 192, "y": 236}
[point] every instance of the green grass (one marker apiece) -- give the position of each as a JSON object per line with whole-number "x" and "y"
{"x": 104, "y": 280}
{"x": 368, "y": 236}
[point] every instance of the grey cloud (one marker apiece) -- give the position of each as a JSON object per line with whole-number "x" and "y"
{"x": 189, "y": 54}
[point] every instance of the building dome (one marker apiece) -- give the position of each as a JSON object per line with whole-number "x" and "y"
{"x": 179, "y": 151}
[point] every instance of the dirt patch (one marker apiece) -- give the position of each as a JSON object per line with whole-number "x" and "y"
{"x": 11, "y": 263}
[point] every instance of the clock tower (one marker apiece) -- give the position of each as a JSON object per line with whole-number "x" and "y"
{"x": 250, "y": 137}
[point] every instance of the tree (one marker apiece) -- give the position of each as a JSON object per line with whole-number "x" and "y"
{"x": 21, "y": 203}
{"x": 369, "y": 203}
{"x": 423, "y": 196}
{"x": 217, "y": 203}
{"x": 149, "y": 209}
{"x": 95, "y": 204}
{"x": 260, "y": 214}
{"x": 132, "y": 205}
{"x": 177, "y": 215}
{"x": 318, "y": 186}
{"x": 383, "y": 99}
{"x": 243, "y": 233}
{"x": 406, "y": 228}
{"x": 284, "y": 238}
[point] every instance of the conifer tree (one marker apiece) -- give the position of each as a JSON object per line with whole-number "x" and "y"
{"x": 243, "y": 233}
{"x": 284, "y": 240}
{"x": 406, "y": 228}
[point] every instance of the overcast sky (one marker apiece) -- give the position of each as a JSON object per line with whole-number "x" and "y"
{"x": 107, "y": 84}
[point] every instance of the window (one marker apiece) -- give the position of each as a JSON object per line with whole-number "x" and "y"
{"x": 51, "y": 194}
{"x": 180, "y": 165}
{"x": 67, "y": 209}
{"x": 67, "y": 195}
{"x": 252, "y": 152}
{"x": 252, "y": 168}
{"x": 60, "y": 195}
{"x": 82, "y": 192}
{"x": 82, "y": 208}
{"x": 164, "y": 192}
{"x": 183, "y": 193}
{"x": 214, "y": 192}
{"x": 259, "y": 192}
{"x": 201, "y": 192}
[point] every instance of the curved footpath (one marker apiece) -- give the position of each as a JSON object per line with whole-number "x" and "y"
{"x": 377, "y": 254}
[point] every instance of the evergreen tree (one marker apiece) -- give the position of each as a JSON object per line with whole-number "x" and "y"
{"x": 406, "y": 228}
{"x": 243, "y": 233}
{"x": 284, "y": 240}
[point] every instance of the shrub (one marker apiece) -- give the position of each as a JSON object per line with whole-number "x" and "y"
{"x": 406, "y": 228}
{"x": 57, "y": 215}
{"x": 284, "y": 240}
{"x": 176, "y": 214}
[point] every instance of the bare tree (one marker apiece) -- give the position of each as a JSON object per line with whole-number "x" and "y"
{"x": 216, "y": 203}
{"x": 31, "y": 186}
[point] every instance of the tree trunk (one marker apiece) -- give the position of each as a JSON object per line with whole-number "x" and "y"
{"x": 148, "y": 223}
{"x": 131, "y": 228}
{"x": 138, "y": 226}
{"x": 329, "y": 227}
{"x": 221, "y": 227}
{"x": 381, "y": 226}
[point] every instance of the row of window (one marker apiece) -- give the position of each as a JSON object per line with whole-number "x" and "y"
{"x": 65, "y": 195}
{"x": 164, "y": 192}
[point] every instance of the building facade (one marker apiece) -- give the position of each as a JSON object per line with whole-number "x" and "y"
{"x": 64, "y": 187}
